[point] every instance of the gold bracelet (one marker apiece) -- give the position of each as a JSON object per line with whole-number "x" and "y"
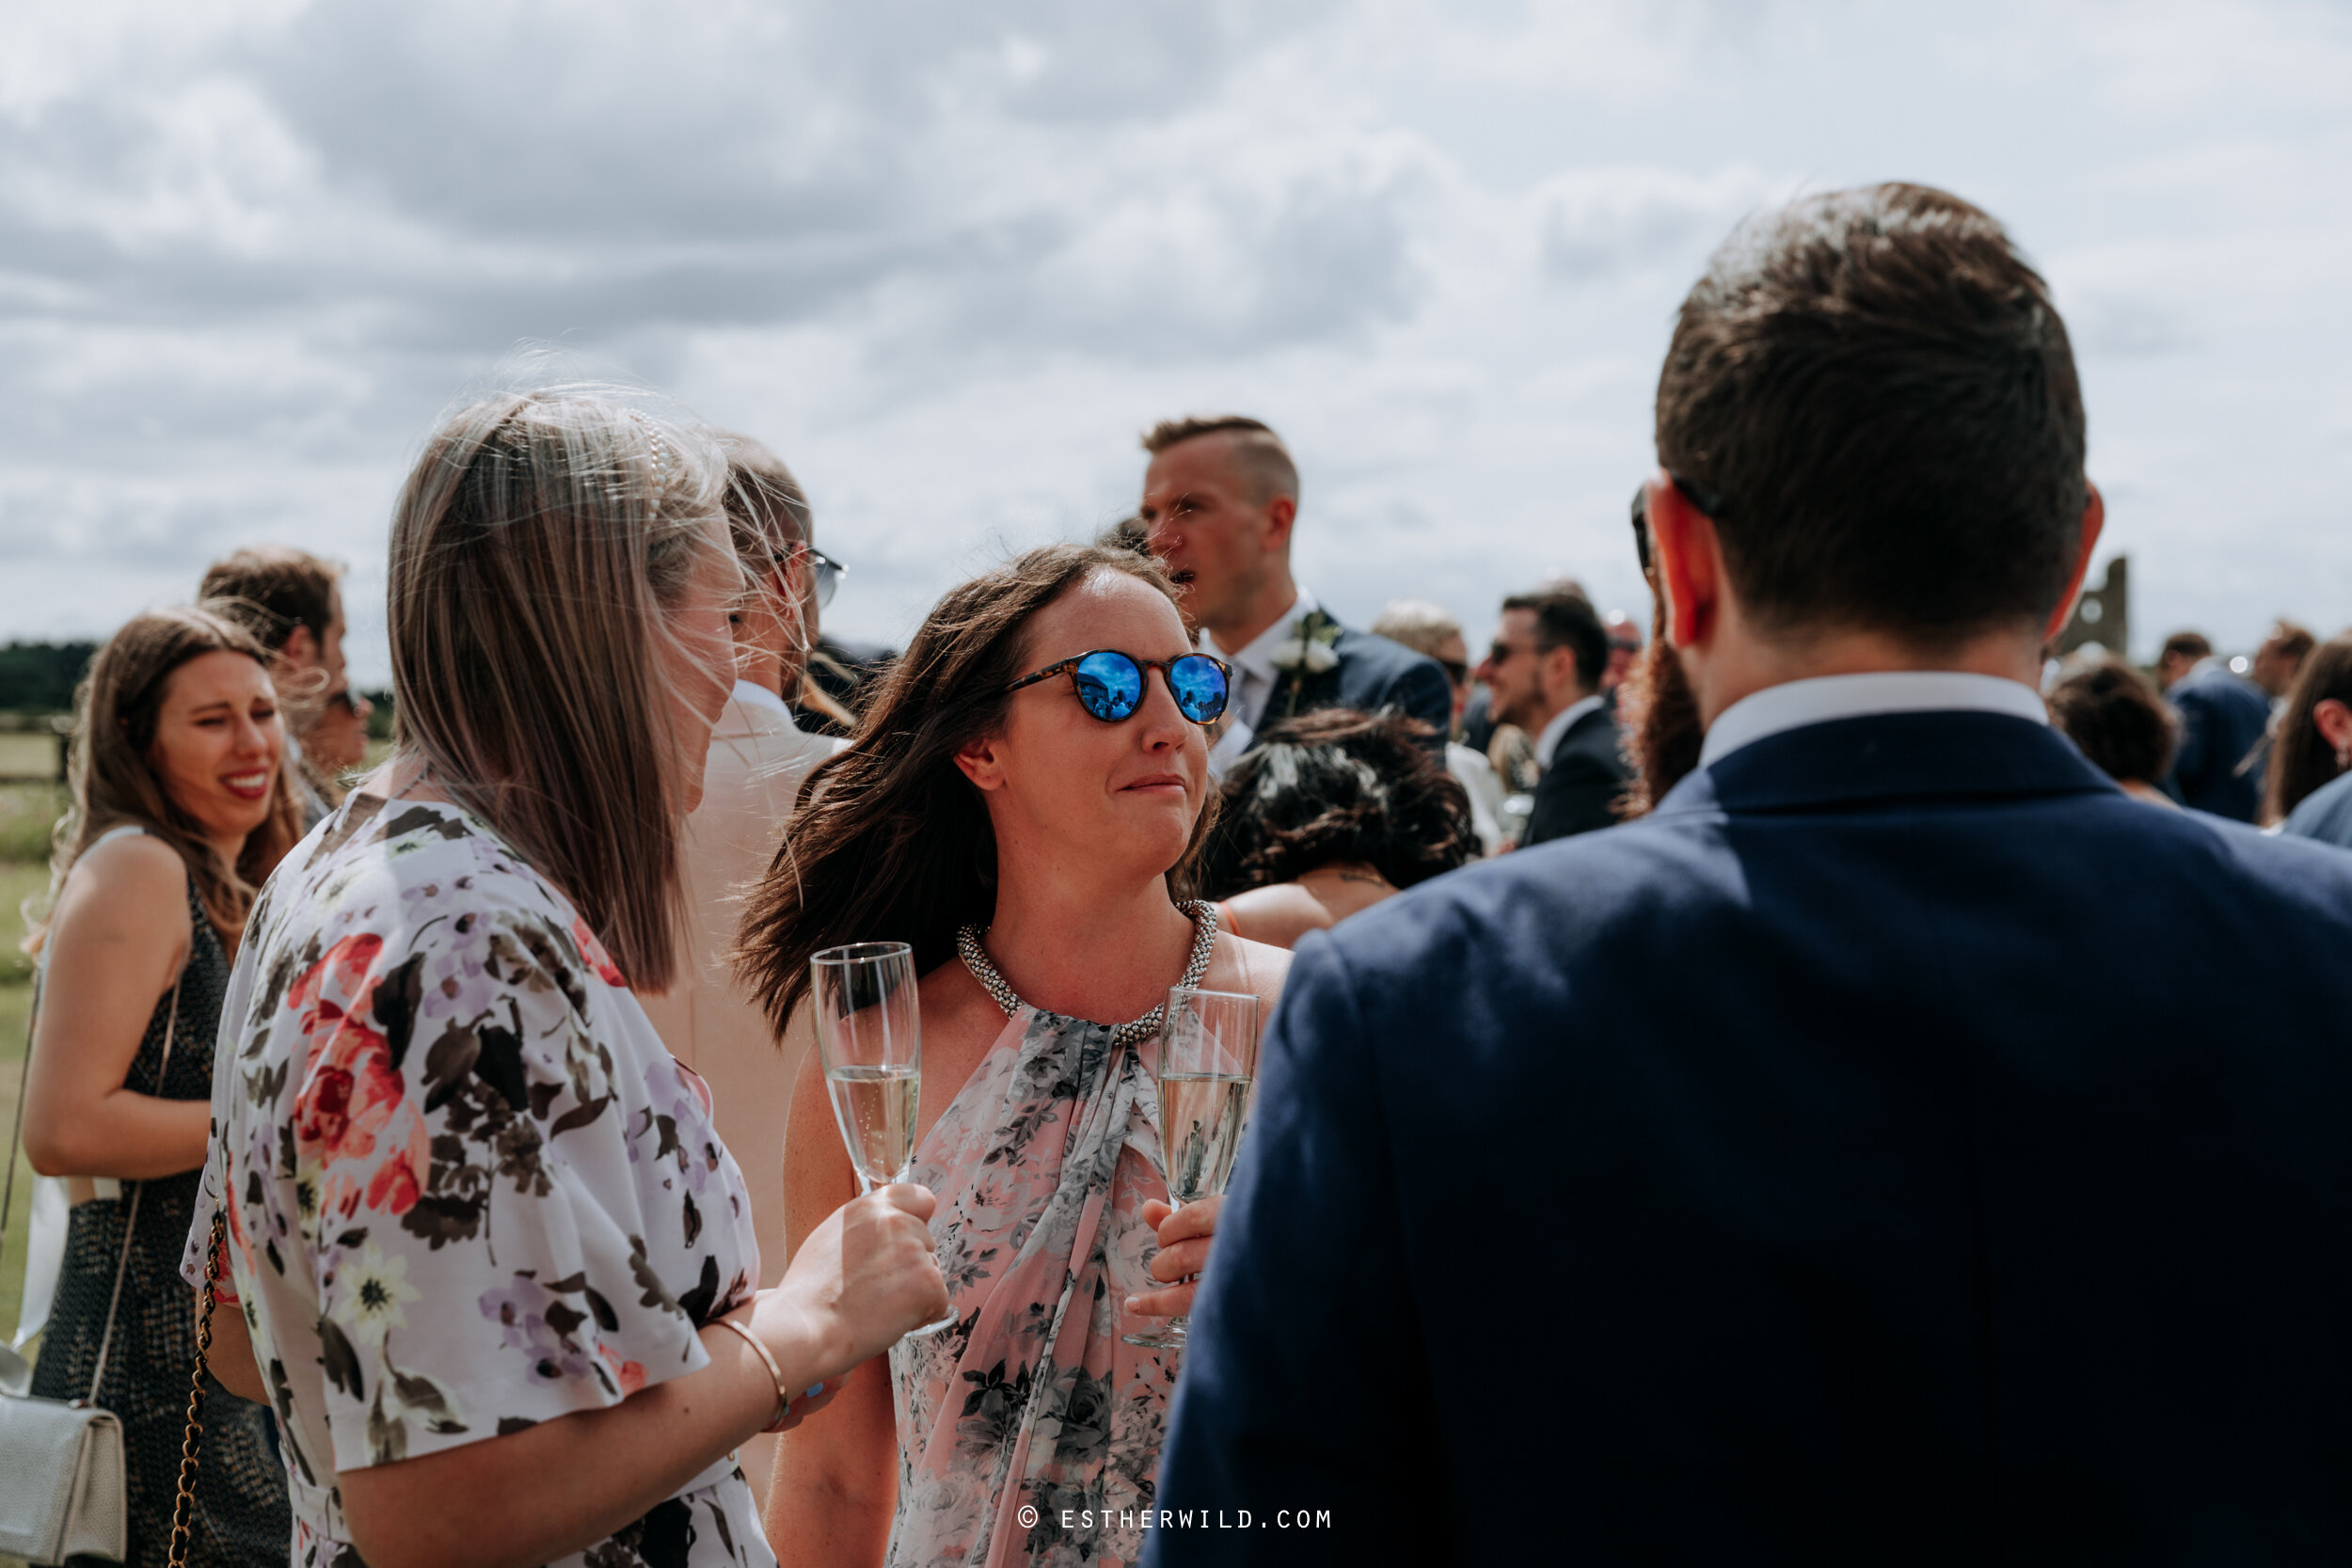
{"x": 784, "y": 1398}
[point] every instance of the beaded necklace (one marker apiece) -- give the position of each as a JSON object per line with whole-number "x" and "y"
{"x": 1203, "y": 915}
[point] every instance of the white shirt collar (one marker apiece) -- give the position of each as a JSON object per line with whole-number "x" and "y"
{"x": 1257, "y": 659}
{"x": 1795, "y": 704}
{"x": 1562, "y": 723}
{"x": 759, "y": 696}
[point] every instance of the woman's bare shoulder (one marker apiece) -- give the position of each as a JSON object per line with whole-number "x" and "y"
{"x": 1256, "y": 967}
{"x": 1278, "y": 915}
{"x": 137, "y": 879}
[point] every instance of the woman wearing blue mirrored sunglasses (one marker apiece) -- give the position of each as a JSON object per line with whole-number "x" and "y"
{"x": 1028, "y": 817}
{"x": 1110, "y": 683}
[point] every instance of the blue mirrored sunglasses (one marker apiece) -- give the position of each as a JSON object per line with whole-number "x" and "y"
{"x": 1110, "y": 683}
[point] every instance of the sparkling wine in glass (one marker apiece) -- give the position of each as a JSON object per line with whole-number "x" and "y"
{"x": 869, "y": 1034}
{"x": 1205, "y": 1057}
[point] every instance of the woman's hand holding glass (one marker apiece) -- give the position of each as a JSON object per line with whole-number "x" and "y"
{"x": 1185, "y": 1235}
{"x": 865, "y": 1279}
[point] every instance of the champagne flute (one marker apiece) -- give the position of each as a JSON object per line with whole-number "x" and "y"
{"x": 869, "y": 1034}
{"x": 1207, "y": 1056}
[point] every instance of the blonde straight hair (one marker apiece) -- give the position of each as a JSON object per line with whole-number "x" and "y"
{"x": 539, "y": 546}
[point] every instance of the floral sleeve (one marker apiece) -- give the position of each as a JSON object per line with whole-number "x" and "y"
{"x": 460, "y": 1139}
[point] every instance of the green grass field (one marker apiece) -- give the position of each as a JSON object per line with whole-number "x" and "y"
{"x": 19, "y": 880}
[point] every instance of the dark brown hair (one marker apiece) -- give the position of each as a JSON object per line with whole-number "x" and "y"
{"x": 537, "y": 548}
{"x": 272, "y": 589}
{"x": 891, "y": 842}
{"x": 1873, "y": 398}
{"x": 2301, "y": 760}
{"x": 112, "y": 774}
{"x": 2186, "y": 645}
{"x": 1564, "y": 618}
{"x": 1337, "y": 786}
{"x": 2115, "y": 716}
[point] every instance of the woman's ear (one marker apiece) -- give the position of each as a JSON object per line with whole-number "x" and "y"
{"x": 981, "y": 763}
{"x": 2333, "y": 721}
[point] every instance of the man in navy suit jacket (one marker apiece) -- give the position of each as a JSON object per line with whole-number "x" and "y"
{"x": 1220, "y": 501}
{"x": 2224, "y": 720}
{"x": 1842, "y": 1164}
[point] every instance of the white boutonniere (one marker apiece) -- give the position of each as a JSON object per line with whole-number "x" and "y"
{"x": 1306, "y": 652}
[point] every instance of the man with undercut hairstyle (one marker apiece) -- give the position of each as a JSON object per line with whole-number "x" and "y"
{"x": 1220, "y": 499}
{"x": 1900, "y": 1146}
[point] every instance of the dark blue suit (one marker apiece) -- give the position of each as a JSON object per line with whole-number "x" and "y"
{"x": 1901, "y": 1147}
{"x": 2223, "y": 720}
{"x": 1373, "y": 673}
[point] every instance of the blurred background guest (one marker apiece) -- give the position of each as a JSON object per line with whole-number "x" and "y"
{"x": 179, "y": 808}
{"x": 2279, "y": 660}
{"x": 2313, "y": 749}
{"x": 1220, "y": 499}
{"x": 751, "y": 782}
{"x": 1657, "y": 712}
{"x": 292, "y": 604}
{"x": 2218, "y": 766}
{"x": 337, "y": 744}
{"x": 1431, "y": 629}
{"x": 1329, "y": 813}
{"x": 2119, "y": 721}
{"x": 1624, "y": 647}
{"x": 1545, "y": 669}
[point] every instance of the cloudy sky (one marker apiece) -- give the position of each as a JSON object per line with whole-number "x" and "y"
{"x": 950, "y": 257}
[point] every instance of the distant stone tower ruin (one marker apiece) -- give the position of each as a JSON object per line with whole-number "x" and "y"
{"x": 2104, "y": 616}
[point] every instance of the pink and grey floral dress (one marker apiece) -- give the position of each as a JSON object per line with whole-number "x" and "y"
{"x": 1031, "y": 1433}
{"x": 473, "y": 1190}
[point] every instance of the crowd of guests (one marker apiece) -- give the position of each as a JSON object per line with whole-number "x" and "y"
{"x": 541, "y": 1241}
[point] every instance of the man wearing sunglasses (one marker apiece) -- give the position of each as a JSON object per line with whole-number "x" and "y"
{"x": 1220, "y": 499}
{"x": 1545, "y": 669}
{"x": 1898, "y": 1147}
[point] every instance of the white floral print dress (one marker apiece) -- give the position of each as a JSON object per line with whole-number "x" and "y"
{"x": 473, "y": 1190}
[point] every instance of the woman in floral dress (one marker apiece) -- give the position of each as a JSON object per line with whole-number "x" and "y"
{"x": 1033, "y": 850}
{"x": 496, "y": 1272}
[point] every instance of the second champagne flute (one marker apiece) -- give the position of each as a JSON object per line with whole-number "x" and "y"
{"x": 1207, "y": 1057}
{"x": 869, "y": 1035}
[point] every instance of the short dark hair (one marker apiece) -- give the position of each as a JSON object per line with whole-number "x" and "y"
{"x": 1336, "y": 785}
{"x": 1564, "y": 618}
{"x": 1259, "y": 450}
{"x": 2114, "y": 714}
{"x": 271, "y": 589}
{"x": 2187, "y": 644}
{"x": 1873, "y": 398}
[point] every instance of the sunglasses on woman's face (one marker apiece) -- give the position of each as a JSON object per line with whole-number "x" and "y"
{"x": 828, "y": 574}
{"x": 1110, "y": 683}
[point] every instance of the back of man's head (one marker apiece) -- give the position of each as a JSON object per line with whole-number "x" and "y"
{"x": 1564, "y": 618}
{"x": 1423, "y": 626}
{"x": 1258, "y": 454}
{"x": 2188, "y": 646}
{"x": 1873, "y": 397}
{"x": 272, "y": 589}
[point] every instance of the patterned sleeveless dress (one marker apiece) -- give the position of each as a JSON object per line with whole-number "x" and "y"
{"x": 1030, "y": 1432}
{"x": 241, "y": 1515}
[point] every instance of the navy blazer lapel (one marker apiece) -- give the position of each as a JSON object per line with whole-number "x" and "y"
{"x": 1889, "y": 756}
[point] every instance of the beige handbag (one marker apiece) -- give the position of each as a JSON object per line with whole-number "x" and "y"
{"x": 62, "y": 1485}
